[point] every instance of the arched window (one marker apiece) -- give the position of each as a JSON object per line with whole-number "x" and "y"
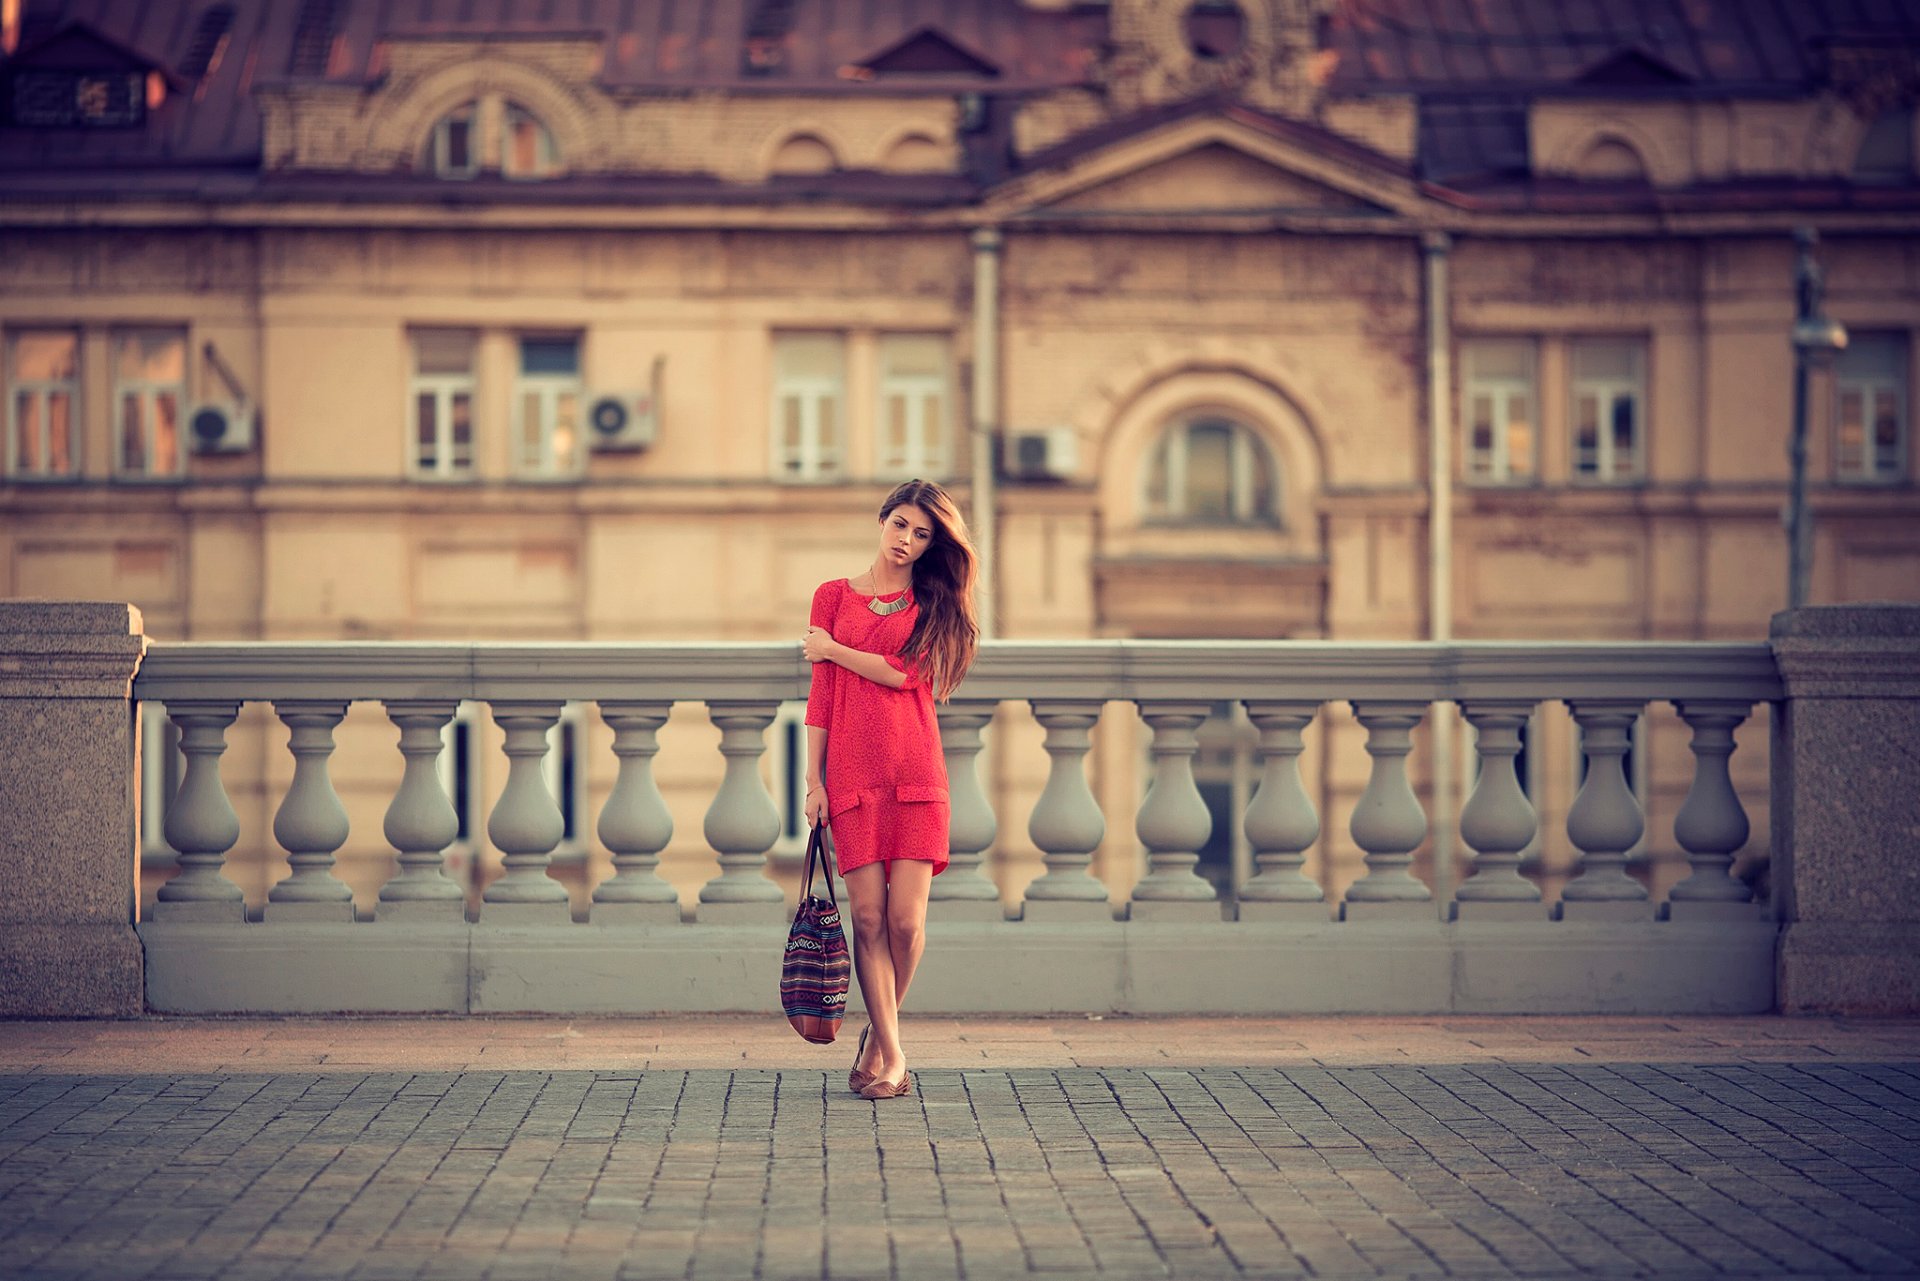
{"x": 526, "y": 145}
{"x": 451, "y": 151}
{"x": 1211, "y": 470}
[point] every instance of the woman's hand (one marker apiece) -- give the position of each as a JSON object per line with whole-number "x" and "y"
{"x": 818, "y": 645}
{"x": 816, "y": 805}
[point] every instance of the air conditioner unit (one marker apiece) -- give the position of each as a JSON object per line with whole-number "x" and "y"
{"x": 221, "y": 427}
{"x": 618, "y": 420}
{"x": 1049, "y": 453}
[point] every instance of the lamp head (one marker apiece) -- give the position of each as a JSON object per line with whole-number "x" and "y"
{"x": 1819, "y": 337}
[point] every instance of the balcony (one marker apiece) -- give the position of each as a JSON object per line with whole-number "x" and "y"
{"x": 1842, "y": 686}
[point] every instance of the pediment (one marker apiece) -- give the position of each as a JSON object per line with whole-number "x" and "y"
{"x": 1212, "y": 177}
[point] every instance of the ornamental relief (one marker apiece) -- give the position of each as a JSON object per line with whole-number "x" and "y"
{"x": 1264, "y": 57}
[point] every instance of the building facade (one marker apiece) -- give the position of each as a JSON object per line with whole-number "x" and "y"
{"x": 347, "y": 319}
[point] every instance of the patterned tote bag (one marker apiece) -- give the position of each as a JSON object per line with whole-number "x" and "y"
{"x": 813, "y": 980}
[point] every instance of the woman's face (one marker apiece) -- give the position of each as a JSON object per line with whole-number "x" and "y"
{"x": 905, "y": 534}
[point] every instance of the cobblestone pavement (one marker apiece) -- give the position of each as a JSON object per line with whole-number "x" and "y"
{"x": 1723, "y": 1165}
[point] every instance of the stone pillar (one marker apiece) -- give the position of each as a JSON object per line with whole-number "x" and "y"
{"x": 963, "y": 890}
{"x": 1280, "y": 821}
{"x": 1388, "y": 823}
{"x": 69, "y": 843}
{"x": 420, "y": 822}
{"x": 1066, "y": 822}
{"x": 1605, "y": 820}
{"x": 1711, "y": 825}
{"x": 1846, "y": 808}
{"x": 635, "y": 823}
{"x": 311, "y": 823}
{"x": 1174, "y": 822}
{"x": 526, "y": 823}
{"x": 1498, "y": 820}
{"x": 742, "y": 823}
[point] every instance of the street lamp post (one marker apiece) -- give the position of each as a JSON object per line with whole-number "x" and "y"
{"x": 1815, "y": 340}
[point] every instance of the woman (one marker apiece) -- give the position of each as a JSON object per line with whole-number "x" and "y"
{"x": 885, "y": 644}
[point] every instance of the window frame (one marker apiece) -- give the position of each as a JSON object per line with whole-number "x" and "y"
{"x": 546, "y": 165}
{"x": 1868, "y": 473}
{"x": 1247, "y": 448}
{"x": 149, "y": 390}
{"x": 443, "y": 388}
{"x": 1500, "y": 388}
{"x": 439, "y": 143}
{"x": 817, "y": 465}
{"x": 1605, "y": 389}
{"x": 549, "y": 389}
{"x": 920, "y": 459}
{"x": 44, "y": 389}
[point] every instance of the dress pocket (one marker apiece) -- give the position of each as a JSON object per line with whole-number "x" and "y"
{"x": 919, "y": 792}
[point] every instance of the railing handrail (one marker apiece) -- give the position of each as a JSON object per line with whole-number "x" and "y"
{"x": 1306, "y": 671}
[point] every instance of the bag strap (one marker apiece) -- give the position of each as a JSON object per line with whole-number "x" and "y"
{"x": 817, "y": 853}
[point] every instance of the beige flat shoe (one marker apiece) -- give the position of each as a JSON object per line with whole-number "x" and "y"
{"x": 856, "y": 1079}
{"x": 878, "y": 1089}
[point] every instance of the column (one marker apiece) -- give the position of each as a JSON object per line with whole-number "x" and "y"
{"x": 1173, "y": 822}
{"x": 1281, "y": 823}
{"x": 635, "y": 823}
{"x": 201, "y": 823}
{"x": 963, "y": 891}
{"x": 1498, "y": 821}
{"x": 1605, "y": 820}
{"x": 420, "y": 822}
{"x": 1711, "y": 825}
{"x": 310, "y": 823}
{"x": 68, "y": 948}
{"x": 742, "y": 823}
{"x": 1388, "y": 823}
{"x": 526, "y": 823}
{"x": 1067, "y": 823}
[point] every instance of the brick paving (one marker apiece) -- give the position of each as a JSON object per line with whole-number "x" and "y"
{"x": 1325, "y": 1148}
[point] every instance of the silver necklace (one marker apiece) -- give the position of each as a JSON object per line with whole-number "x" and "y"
{"x": 883, "y": 608}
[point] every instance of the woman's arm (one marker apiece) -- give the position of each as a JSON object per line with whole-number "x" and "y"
{"x": 874, "y": 667}
{"x": 815, "y": 805}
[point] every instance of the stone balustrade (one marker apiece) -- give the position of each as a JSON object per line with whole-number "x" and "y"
{"x": 1277, "y": 944}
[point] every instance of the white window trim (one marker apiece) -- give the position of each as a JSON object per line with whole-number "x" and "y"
{"x": 443, "y": 388}
{"x": 1501, "y": 390}
{"x": 44, "y": 389}
{"x": 921, "y": 458}
{"x": 1606, "y": 389}
{"x": 1868, "y": 387}
{"x": 817, "y": 464}
{"x": 148, "y": 390}
{"x": 439, "y": 145}
{"x": 1244, "y": 441}
{"x": 547, "y": 165}
{"x": 550, "y": 388}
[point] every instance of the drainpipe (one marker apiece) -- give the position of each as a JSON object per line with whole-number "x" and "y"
{"x": 1435, "y": 248}
{"x": 986, "y": 402}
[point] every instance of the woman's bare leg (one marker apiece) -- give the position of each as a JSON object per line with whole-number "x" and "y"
{"x": 907, "y": 922}
{"x": 873, "y": 964}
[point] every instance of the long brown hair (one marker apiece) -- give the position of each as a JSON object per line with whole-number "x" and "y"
{"x": 947, "y": 631}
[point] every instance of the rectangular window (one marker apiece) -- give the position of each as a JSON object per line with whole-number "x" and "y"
{"x": 149, "y": 396}
{"x": 547, "y": 411}
{"x": 440, "y": 403}
{"x": 1609, "y": 409}
{"x": 1870, "y": 409}
{"x": 1497, "y": 409}
{"x": 43, "y": 404}
{"x": 915, "y": 415}
{"x": 809, "y": 399}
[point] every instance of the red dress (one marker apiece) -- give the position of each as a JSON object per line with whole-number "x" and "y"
{"x": 885, "y": 776}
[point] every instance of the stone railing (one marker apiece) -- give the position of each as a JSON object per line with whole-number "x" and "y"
{"x": 1278, "y": 947}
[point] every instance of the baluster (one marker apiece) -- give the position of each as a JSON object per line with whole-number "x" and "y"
{"x": 1388, "y": 823}
{"x": 1711, "y": 825}
{"x": 201, "y": 824}
{"x": 1067, "y": 823}
{"x": 310, "y": 823}
{"x": 742, "y": 823}
{"x": 963, "y": 890}
{"x": 1280, "y": 822}
{"x": 1604, "y": 820}
{"x": 1173, "y": 822}
{"x": 526, "y": 823}
{"x": 420, "y": 821}
{"x": 1498, "y": 821}
{"x": 635, "y": 823}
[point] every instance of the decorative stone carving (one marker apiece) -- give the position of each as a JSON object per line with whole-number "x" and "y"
{"x": 1151, "y": 59}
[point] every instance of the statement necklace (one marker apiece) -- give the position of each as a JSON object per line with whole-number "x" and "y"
{"x": 883, "y": 608}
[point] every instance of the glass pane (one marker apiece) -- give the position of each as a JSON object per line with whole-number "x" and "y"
{"x": 166, "y": 433}
{"x": 526, "y": 146}
{"x": 133, "y": 436}
{"x": 1586, "y": 435}
{"x": 809, "y": 356}
{"x": 1157, "y": 479}
{"x": 151, "y": 355}
{"x": 826, "y": 407}
{"x": 530, "y": 450}
{"x": 932, "y": 430}
{"x": 1886, "y": 433}
{"x": 1209, "y": 473}
{"x": 1483, "y": 431}
{"x": 566, "y": 435}
{"x": 458, "y": 143}
{"x": 426, "y": 407}
{"x": 26, "y": 440}
{"x": 1625, "y": 435}
{"x": 45, "y": 356}
{"x": 1519, "y": 436}
{"x": 1508, "y": 360}
{"x": 894, "y": 448}
{"x": 1606, "y": 358}
{"x": 60, "y": 433}
{"x": 462, "y": 429}
{"x": 1850, "y": 437}
{"x": 443, "y": 351}
{"x": 908, "y": 354}
{"x": 1260, "y": 481}
{"x": 1872, "y": 357}
{"x": 550, "y": 355}
{"x": 792, "y": 432}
